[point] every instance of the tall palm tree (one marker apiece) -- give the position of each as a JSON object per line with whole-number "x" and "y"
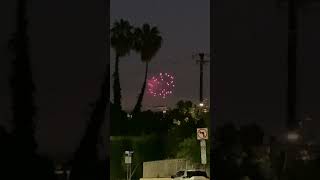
{"x": 121, "y": 42}
{"x": 23, "y": 157}
{"x": 22, "y": 83}
{"x": 147, "y": 43}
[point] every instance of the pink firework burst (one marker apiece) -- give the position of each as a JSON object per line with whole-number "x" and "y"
{"x": 161, "y": 85}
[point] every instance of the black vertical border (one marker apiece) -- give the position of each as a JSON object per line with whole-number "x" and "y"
{"x": 107, "y": 42}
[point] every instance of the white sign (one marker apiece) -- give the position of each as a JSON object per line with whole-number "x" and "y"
{"x": 202, "y": 133}
{"x": 128, "y": 153}
{"x": 127, "y": 159}
{"x": 203, "y": 152}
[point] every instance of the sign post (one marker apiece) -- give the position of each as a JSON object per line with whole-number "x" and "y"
{"x": 128, "y": 162}
{"x": 202, "y": 135}
{"x": 203, "y": 151}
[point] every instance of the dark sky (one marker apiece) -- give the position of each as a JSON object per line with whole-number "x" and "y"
{"x": 250, "y": 41}
{"x": 68, "y": 55}
{"x": 185, "y": 28}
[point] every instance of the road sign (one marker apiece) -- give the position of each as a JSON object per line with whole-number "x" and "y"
{"x": 127, "y": 160}
{"x": 202, "y": 133}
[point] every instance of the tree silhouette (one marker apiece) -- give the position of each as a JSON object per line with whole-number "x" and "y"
{"x": 147, "y": 43}
{"x": 21, "y": 151}
{"x": 22, "y": 84}
{"x": 6, "y": 161}
{"x": 121, "y": 42}
{"x": 251, "y": 135}
{"x": 226, "y": 151}
{"x": 86, "y": 164}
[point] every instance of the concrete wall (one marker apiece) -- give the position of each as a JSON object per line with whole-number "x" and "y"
{"x": 167, "y": 168}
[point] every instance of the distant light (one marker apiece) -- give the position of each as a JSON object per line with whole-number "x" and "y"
{"x": 201, "y": 104}
{"x": 129, "y": 116}
{"x": 178, "y": 123}
{"x": 59, "y": 172}
{"x": 308, "y": 119}
{"x": 293, "y": 136}
{"x": 164, "y": 111}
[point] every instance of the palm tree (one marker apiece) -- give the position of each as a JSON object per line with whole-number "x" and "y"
{"x": 121, "y": 42}
{"x": 147, "y": 43}
{"x": 86, "y": 160}
{"x": 22, "y": 83}
{"x": 23, "y": 157}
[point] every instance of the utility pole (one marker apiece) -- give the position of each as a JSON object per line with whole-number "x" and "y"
{"x": 293, "y": 7}
{"x": 201, "y": 62}
{"x": 293, "y": 126}
{"x": 292, "y": 64}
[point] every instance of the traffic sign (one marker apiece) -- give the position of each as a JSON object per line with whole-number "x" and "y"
{"x": 127, "y": 158}
{"x": 202, "y": 133}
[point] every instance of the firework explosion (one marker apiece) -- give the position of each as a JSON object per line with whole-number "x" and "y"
{"x": 161, "y": 85}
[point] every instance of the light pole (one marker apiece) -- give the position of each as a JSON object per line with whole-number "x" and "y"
{"x": 292, "y": 123}
{"x": 201, "y": 62}
{"x": 293, "y": 7}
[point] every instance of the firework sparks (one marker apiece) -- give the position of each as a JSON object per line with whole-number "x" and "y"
{"x": 161, "y": 85}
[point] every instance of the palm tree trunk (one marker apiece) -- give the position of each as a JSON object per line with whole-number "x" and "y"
{"x": 86, "y": 155}
{"x": 116, "y": 86}
{"x": 22, "y": 83}
{"x": 138, "y": 105}
{"x": 23, "y": 151}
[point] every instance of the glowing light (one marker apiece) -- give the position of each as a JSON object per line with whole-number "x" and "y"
{"x": 161, "y": 85}
{"x": 293, "y": 136}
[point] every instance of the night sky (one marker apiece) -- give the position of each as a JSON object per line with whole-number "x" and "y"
{"x": 185, "y": 28}
{"x": 250, "y": 41}
{"x": 68, "y": 52}
{"x": 68, "y": 60}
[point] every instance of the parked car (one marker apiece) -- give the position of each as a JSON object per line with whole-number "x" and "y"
{"x": 190, "y": 175}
